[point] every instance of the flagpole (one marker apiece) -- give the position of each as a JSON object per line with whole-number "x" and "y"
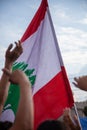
{"x": 77, "y": 115}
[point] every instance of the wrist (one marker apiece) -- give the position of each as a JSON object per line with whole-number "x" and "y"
{"x": 8, "y": 65}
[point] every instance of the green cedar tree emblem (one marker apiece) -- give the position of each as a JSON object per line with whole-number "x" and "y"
{"x": 14, "y": 92}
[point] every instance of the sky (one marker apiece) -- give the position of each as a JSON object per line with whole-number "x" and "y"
{"x": 70, "y": 22}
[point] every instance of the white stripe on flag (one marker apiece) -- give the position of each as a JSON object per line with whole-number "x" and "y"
{"x": 43, "y": 52}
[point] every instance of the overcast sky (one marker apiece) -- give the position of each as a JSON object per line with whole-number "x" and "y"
{"x": 70, "y": 23}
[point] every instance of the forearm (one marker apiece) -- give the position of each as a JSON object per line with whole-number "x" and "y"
{"x": 25, "y": 108}
{"x": 4, "y": 86}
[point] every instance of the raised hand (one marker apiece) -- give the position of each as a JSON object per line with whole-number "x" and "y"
{"x": 73, "y": 123}
{"x": 81, "y": 82}
{"x": 11, "y": 55}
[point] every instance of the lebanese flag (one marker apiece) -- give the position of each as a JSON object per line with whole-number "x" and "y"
{"x": 41, "y": 60}
{"x": 51, "y": 91}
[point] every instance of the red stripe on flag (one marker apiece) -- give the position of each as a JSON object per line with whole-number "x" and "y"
{"x": 52, "y": 99}
{"x": 39, "y": 16}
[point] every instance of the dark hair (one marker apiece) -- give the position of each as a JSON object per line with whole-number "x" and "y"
{"x": 52, "y": 125}
{"x": 5, "y": 125}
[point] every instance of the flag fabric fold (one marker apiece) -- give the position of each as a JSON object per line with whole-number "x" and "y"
{"x": 42, "y": 62}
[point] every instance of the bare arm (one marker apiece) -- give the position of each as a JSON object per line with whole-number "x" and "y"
{"x": 81, "y": 82}
{"x": 25, "y": 108}
{"x": 10, "y": 57}
{"x": 25, "y": 113}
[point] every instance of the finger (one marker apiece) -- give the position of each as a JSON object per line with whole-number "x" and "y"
{"x": 7, "y": 72}
{"x": 76, "y": 79}
{"x": 75, "y": 84}
{"x": 76, "y": 120}
{"x": 17, "y": 44}
{"x": 20, "y": 46}
{"x": 10, "y": 47}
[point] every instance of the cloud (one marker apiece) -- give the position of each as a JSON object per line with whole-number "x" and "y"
{"x": 72, "y": 36}
{"x": 83, "y": 21}
{"x": 73, "y": 46}
{"x": 59, "y": 12}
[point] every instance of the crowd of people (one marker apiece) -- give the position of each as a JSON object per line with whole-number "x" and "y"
{"x": 24, "y": 119}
